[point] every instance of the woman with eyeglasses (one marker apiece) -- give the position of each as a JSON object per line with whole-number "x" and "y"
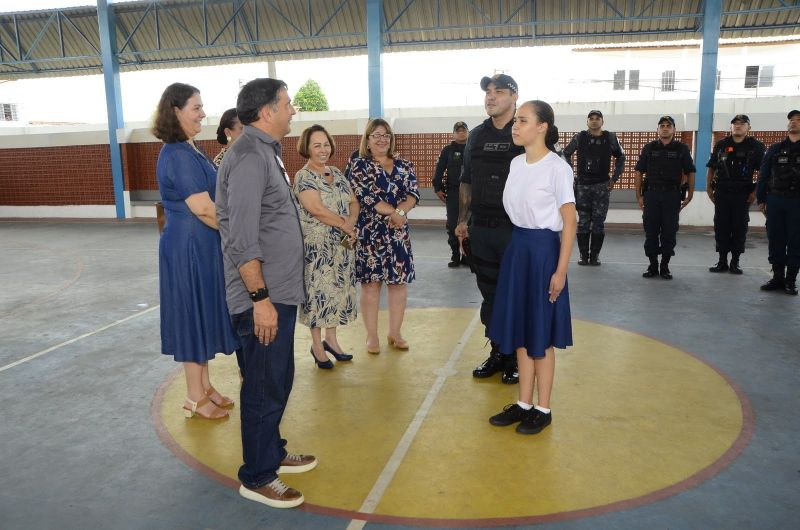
{"x": 386, "y": 188}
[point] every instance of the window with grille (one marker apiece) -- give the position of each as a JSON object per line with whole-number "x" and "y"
{"x": 8, "y": 112}
{"x": 751, "y": 77}
{"x": 619, "y": 80}
{"x": 633, "y": 79}
{"x": 765, "y": 76}
{"x": 668, "y": 81}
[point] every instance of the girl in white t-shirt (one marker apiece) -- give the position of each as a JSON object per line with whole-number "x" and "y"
{"x": 531, "y": 310}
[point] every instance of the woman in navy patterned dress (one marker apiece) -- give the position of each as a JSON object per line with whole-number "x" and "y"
{"x": 386, "y": 188}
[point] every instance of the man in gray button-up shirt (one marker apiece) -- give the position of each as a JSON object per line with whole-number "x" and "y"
{"x": 262, "y": 247}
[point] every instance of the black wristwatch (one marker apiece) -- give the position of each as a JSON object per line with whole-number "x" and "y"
{"x": 261, "y": 294}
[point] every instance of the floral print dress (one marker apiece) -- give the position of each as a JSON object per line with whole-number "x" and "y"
{"x": 384, "y": 253}
{"x": 329, "y": 266}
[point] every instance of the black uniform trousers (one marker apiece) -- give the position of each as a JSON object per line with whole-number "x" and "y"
{"x": 731, "y": 217}
{"x": 488, "y": 244}
{"x": 451, "y": 205}
{"x": 660, "y": 219}
{"x": 783, "y": 230}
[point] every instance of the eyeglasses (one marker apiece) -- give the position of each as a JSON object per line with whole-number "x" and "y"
{"x": 377, "y": 137}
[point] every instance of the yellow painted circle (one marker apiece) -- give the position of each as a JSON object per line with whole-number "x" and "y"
{"x": 634, "y": 420}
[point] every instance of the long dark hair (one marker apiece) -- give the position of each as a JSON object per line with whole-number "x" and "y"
{"x": 228, "y": 119}
{"x": 544, "y": 113}
{"x": 166, "y": 126}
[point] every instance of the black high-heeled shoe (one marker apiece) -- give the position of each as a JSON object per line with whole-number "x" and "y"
{"x": 325, "y": 365}
{"x": 338, "y": 356}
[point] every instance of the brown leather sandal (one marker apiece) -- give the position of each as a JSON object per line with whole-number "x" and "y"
{"x": 398, "y": 344}
{"x": 224, "y": 402}
{"x": 192, "y": 411}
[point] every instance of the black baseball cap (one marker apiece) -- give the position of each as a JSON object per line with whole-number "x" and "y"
{"x": 595, "y": 113}
{"x": 792, "y": 114}
{"x": 500, "y": 81}
{"x": 744, "y": 118}
{"x": 670, "y": 119}
{"x": 459, "y": 125}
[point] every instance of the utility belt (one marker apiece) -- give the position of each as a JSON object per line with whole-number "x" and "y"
{"x": 491, "y": 222}
{"x": 734, "y": 187}
{"x": 789, "y": 194}
{"x": 591, "y": 181}
{"x": 662, "y": 186}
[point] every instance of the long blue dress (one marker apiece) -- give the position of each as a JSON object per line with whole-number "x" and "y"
{"x": 195, "y": 324}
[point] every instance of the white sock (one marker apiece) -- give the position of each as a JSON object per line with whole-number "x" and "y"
{"x": 524, "y": 406}
{"x": 542, "y": 409}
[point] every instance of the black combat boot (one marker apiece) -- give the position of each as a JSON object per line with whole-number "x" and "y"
{"x": 777, "y": 281}
{"x": 790, "y": 285}
{"x": 583, "y": 248}
{"x": 722, "y": 264}
{"x": 490, "y": 366}
{"x": 455, "y": 261}
{"x": 510, "y": 371}
{"x": 664, "y": 272}
{"x": 652, "y": 269}
{"x": 597, "y": 244}
{"x": 735, "y": 268}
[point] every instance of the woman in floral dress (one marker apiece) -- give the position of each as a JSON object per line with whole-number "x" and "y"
{"x": 386, "y": 188}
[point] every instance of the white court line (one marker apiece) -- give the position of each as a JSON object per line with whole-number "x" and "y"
{"x": 76, "y": 339}
{"x": 386, "y": 476}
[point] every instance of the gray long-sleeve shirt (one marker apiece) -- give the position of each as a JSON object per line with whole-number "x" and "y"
{"x": 258, "y": 219}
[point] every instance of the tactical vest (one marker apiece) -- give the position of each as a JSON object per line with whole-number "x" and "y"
{"x": 594, "y": 157}
{"x": 454, "y": 163}
{"x": 736, "y": 163}
{"x": 664, "y": 168}
{"x": 491, "y": 152}
{"x": 785, "y": 177}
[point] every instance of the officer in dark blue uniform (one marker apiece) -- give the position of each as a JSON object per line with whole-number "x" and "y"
{"x": 445, "y": 184}
{"x": 594, "y": 148}
{"x": 730, "y": 186}
{"x": 487, "y": 158}
{"x": 778, "y": 195}
{"x": 663, "y": 166}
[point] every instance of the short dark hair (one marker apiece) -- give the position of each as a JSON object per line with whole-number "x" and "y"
{"x": 166, "y": 126}
{"x": 305, "y": 139}
{"x": 255, "y": 95}
{"x": 227, "y": 121}
{"x": 373, "y": 124}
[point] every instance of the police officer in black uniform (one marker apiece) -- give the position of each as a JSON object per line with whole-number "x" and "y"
{"x": 778, "y": 195}
{"x": 730, "y": 186}
{"x": 487, "y": 158}
{"x": 445, "y": 184}
{"x": 663, "y": 166}
{"x": 594, "y": 148}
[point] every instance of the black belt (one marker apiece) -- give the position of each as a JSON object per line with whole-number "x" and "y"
{"x": 662, "y": 187}
{"x": 491, "y": 222}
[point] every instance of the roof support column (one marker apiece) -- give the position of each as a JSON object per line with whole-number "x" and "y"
{"x": 712, "y": 13}
{"x": 375, "y": 56}
{"x": 108, "y": 51}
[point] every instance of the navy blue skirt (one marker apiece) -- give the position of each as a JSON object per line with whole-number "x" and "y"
{"x": 523, "y": 316}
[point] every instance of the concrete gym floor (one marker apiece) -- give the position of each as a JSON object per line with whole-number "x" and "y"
{"x": 676, "y": 408}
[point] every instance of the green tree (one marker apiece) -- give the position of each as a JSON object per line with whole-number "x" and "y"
{"x": 310, "y": 97}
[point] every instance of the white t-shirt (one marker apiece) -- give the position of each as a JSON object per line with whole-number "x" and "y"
{"x": 535, "y": 192}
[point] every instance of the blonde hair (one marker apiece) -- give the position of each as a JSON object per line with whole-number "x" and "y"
{"x": 363, "y": 149}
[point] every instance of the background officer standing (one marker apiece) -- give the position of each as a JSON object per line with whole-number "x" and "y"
{"x": 666, "y": 163}
{"x": 778, "y": 195}
{"x": 487, "y": 158}
{"x": 729, "y": 184}
{"x": 594, "y": 147}
{"x": 445, "y": 184}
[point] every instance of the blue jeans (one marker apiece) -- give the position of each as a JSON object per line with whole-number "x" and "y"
{"x": 268, "y": 373}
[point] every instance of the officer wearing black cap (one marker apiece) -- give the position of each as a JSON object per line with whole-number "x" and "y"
{"x": 487, "y": 158}
{"x": 663, "y": 166}
{"x": 445, "y": 184}
{"x": 730, "y": 186}
{"x": 778, "y": 195}
{"x": 594, "y": 148}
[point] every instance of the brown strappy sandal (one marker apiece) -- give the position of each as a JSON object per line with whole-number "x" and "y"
{"x": 225, "y": 403}
{"x": 192, "y": 411}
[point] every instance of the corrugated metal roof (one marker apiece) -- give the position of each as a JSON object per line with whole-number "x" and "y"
{"x": 173, "y": 33}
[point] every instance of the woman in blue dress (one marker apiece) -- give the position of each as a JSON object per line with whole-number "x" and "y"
{"x": 386, "y": 188}
{"x": 195, "y": 324}
{"x": 531, "y": 315}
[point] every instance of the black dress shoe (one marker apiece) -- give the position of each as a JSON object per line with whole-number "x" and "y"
{"x": 510, "y": 375}
{"x": 454, "y": 263}
{"x": 325, "y": 365}
{"x": 489, "y": 367}
{"x": 719, "y": 267}
{"x": 774, "y": 284}
{"x": 652, "y": 271}
{"x": 338, "y": 356}
{"x": 664, "y": 273}
{"x": 534, "y": 421}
